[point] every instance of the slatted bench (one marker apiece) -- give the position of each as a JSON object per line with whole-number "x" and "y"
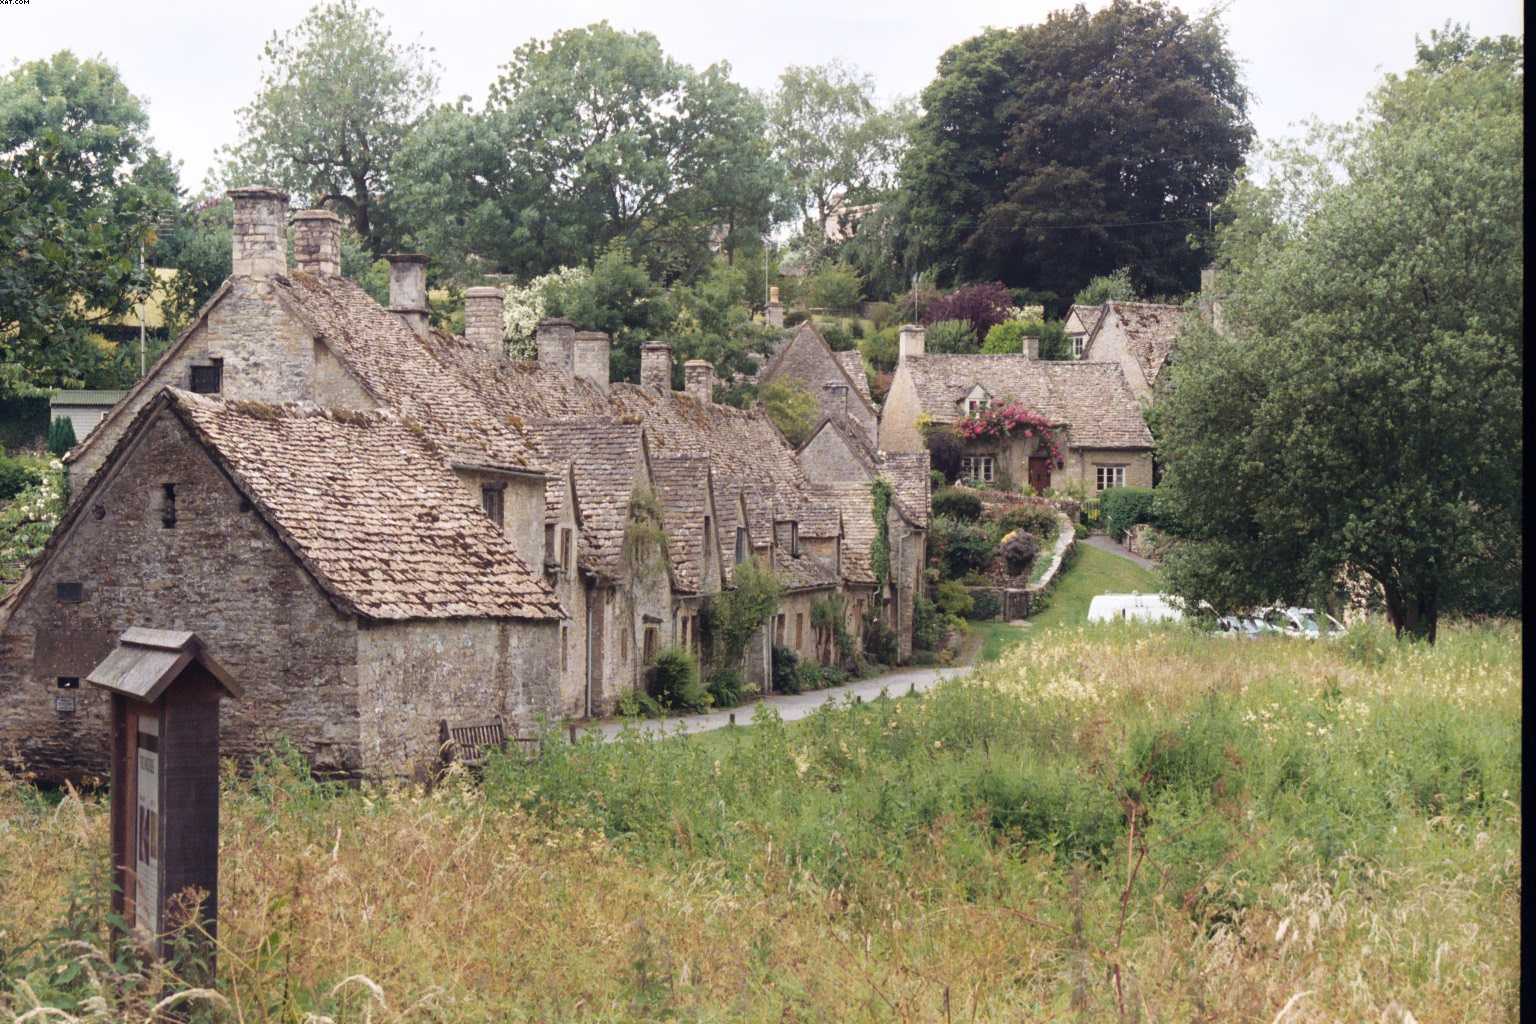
{"x": 469, "y": 744}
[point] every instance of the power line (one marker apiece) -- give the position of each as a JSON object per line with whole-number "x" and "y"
{"x": 1115, "y": 224}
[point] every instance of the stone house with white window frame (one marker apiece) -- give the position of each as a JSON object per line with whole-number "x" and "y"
{"x": 1097, "y": 421}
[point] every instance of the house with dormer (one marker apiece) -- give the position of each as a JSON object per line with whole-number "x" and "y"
{"x": 1140, "y": 337}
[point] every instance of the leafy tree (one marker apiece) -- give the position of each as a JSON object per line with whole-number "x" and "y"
{"x": 338, "y": 97}
{"x": 835, "y": 286}
{"x": 981, "y": 305}
{"x": 1050, "y": 153}
{"x": 792, "y": 409}
{"x": 1007, "y": 338}
{"x": 1365, "y": 412}
{"x": 950, "y": 337}
{"x": 81, "y": 189}
{"x": 839, "y": 147}
{"x": 1113, "y": 287}
{"x": 618, "y": 297}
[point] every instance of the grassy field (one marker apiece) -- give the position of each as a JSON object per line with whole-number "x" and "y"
{"x": 1123, "y": 824}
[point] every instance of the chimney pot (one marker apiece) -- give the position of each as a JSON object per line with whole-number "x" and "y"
{"x": 1031, "y": 346}
{"x": 258, "y": 244}
{"x": 555, "y": 339}
{"x": 910, "y": 341}
{"x": 591, "y": 357}
{"x": 656, "y": 365}
{"x": 699, "y": 380}
{"x": 408, "y": 289}
{"x": 484, "y": 319}
{"x": 317, "y": 242}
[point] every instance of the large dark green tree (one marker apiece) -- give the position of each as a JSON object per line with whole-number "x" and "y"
{"x": 338, "y": 97}
{"x": 81, "y": 189}
{"x": 1364, "y": 412}
{"x": 1050, "y": 153}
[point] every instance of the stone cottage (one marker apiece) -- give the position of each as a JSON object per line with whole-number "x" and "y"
{"x": 835, "y": 379}
{"x": 1138, "y": 336}
{"x": 332, "y": 559}
{"x": 1093, "y": 413}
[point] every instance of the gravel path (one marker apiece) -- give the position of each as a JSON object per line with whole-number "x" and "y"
{"x": 1104, "y": 543}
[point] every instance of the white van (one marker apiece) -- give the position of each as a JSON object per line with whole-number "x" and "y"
{"x": 1134, "y": 608}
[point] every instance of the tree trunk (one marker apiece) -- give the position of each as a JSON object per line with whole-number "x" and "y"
{"x": 1416, "y": 613}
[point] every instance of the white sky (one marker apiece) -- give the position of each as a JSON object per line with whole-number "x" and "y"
{"x": 194, "y": 62}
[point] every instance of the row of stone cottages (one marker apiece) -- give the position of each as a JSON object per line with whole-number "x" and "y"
{"x": 376, "y": 525}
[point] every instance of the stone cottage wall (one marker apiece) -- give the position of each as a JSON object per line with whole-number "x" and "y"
{"x": 220, "y": 572}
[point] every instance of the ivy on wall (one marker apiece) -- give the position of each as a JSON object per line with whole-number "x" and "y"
{"x": 880, "y": 550}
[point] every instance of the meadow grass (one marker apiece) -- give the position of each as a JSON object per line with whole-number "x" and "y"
{"x": 1123, "y": 823}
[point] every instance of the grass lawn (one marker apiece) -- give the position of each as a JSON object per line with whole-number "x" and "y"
{"x": 1092, "y": 572}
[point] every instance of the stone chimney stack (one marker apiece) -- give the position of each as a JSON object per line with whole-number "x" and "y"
{"x": 774, "y": 311}
{"x": 656, "y": 365}
{"x": 839, "y": 393}
{"x": 259, "y": 239}
{"x": 556, "y": 342}
{"x": 910, "y": 341}
{"x": 408, "y": 289}
{"x": 317, "y": 242}
{"x": 484, "y": 322}
{"x": 699, "y": 380}
{"x": 591, "y": 357}
{"x": 1031, "y": 346}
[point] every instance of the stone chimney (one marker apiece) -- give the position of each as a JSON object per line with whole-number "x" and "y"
{"x": 1031, "y": 346}
{"x": 591, "y": 357}
{"x": 556, "y": 341}
{"x": 317, "y": 242}
{"x": 259, "y": 239}
{"x": 408, "y": 289}
{"x": 910, "y": 341}
{"x": 774, "y": 311}
{"x": 485, "y": 324}
{"x": 656, "y": 365}
{"x": 699, "y": 380}
{"x": 839, "y": 393}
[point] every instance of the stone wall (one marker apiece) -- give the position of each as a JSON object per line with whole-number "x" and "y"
{"x": 220, "y": 572}
{"x": 413, "y": 674}
{"x": 898, "y": 416}
{"x": 827, "y": 458}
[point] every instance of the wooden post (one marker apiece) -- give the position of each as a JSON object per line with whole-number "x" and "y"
{"x": 733, "y": 718}
{"x": 573, "y": 734}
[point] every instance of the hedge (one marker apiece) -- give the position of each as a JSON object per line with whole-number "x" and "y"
{"x": 23, "y": 421}
{"x": 1124, "y": 507}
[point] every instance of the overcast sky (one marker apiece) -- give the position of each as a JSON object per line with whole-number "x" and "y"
{"x": 194, "y": 62}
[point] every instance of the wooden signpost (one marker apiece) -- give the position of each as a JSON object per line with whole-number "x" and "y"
{"x": 165, "y": 780}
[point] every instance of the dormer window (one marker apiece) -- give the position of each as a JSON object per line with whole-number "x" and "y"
{"x": 1079, "y": 342}
{"x": 208, "y": 380}
{"x": 977, "y": 402}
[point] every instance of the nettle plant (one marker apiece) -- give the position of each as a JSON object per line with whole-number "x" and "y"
{"x": 1001, "y": 422}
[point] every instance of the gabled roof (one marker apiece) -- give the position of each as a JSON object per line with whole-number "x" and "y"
{"x": 857, "y": 505}
{"x": 853, "y": 365}
{"x": 610, "y": 459}
{"x": 683, "y": 486}
{"x": 1088, "y": 316}
{"x": 911, "y": 484}
{"x": 793, "y": 352}
{"x": 364, "y": 501}
{"x": 1092, "y": 398}
{"x": 1151, "y": 329}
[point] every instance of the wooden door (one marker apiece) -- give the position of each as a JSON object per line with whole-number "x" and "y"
{"x": 1040, "y": 472}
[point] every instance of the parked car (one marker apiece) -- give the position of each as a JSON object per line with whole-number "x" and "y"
{"x": 1243, "y": 626}
{"x": 1134, "y": 608}
{"x": 1303, "y": 622}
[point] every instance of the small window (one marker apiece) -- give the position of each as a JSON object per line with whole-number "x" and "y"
{"x": 565, "y": 549}
{"x": 69, "y": 593}
{"x": 685, "y": 631}
{"x": 565, "y": 648}
{"x": 794, "y": 540}
{"x": 974, "y": 407}
{"x": 1109, "y": 476}
{"x": 1078, "y": 344}
{"x": 549, "y": 543}
{"x": 709, "y": 539}
{"x": 493, "y": 500}
{"x": 168, "y": 506}
{"x": 778, "y": 630}
{"x": 208, "y": 380}
{"x": 69, "y": 682}
{"x": 741, "y": 544}
{"x": 979, "y": 468}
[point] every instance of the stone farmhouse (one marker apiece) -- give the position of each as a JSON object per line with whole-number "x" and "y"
{"x": 1094, "y": 414}
{"x": 379, "y": 525}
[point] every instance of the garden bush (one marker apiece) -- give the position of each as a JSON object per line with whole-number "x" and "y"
{"x": 936, "y": 480}
{"x": 1038, "y": 520}
{"x": 981, "y": 306}
{"x": 61, "y": 435}
{"x": 954, "y": 599}
{"x": 785, "y": 677}
{"x": 984, "y": 605}
{"x": 726, "y": 688}
{"x": 15, "y": 477}
{"x": 808, "y": 676}
{"x": 675, "y": 681}
{"x": 945, "y": 450}
{"x": 959, "y": 504}
{"x": 879, "y": 641}
{"x": 928, "y": 626}
{"x": 1124, "y": 507}
{"x": 950, "y": 337}
{"x": 836, "y": 336}
{"x": 1019, "y": 551}
{"x": 881, "y": 349}
{"x": 959, "y": 548}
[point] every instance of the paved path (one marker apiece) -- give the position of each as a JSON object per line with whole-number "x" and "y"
{"x": 1105, "y": 543}
{"x": 791, "y": 706}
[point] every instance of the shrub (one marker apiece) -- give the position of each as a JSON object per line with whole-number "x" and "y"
{"x": 936, "y": 480}
{"x": 981, "y": 306}
{"x": 984, "y": 605}
{"x": 1124, "y": 507}
{"x": 726, "y": 688}
{"x": 1034, "y": 519}
{"x": 808, "y": 676}
{"x": 856, "y": 330}
{"x": 61, "y": 435}
{"x": 833, "y": 675}
{"x": 945, "y": 450}
{"x": 957, "y": 504}
{"x": 835, "y": 286}
{"x": 881, "y": 314}
{"x": 950, "y": 337}
{"x": 1019, "y": 551}
{"x": 675, "y": 681}
{"x": 1115, "y": 287}
{"x": 792, "y": 409}
{"x": 785, "y": 677}
{"x": 1006, "y": 338}
{"x": 15, "y": 477}
{"x": 928, "y": 624}
{"x": 836, "y": 337}
{"x": 881, "y": 349}
{"x": 959, "y": 548}
{"x": 954, "y": 599}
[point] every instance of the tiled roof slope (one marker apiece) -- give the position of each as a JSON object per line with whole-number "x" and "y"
{"x": 371, "y": 508}
{"x": 857, "y": 506}
{"x": 853, "y": 366}
{"x": 1151, "y": 328}
{"x": 908, "y": 473}
{"x": 609, "y": 457}
{"x": 807, "y": 358}
{"x": 515, "y": 389}
{"x": 682, "y": 485}
{"x": 804, "y": 573}
{"x": 393, "y": 365}
{"x": 1093, "y": 398}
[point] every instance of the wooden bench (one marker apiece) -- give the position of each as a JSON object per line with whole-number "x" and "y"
{"x": 469, "y": 744}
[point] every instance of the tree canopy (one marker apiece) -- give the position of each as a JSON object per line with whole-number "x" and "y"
{"x": 1365, "y": 413}
{"x": 1050, "y": 153}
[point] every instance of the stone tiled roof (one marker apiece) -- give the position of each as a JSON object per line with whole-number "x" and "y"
{"x": 911, "y": 484}
{"x": 395, "y": 367}
{"x": 853, "y": 366}
{"x": 371, "y": 508}
{"x": 804, "y": 573}
{"x": 1151, "y": 329}
{"x": 610, "y": 460}
{"x": 682, "y": 485}
{"x": 857, "y": 505}
{"x": 809, "y": 359}
{"x": 1092, "y": 398}
{"x": 516, "y": 390}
